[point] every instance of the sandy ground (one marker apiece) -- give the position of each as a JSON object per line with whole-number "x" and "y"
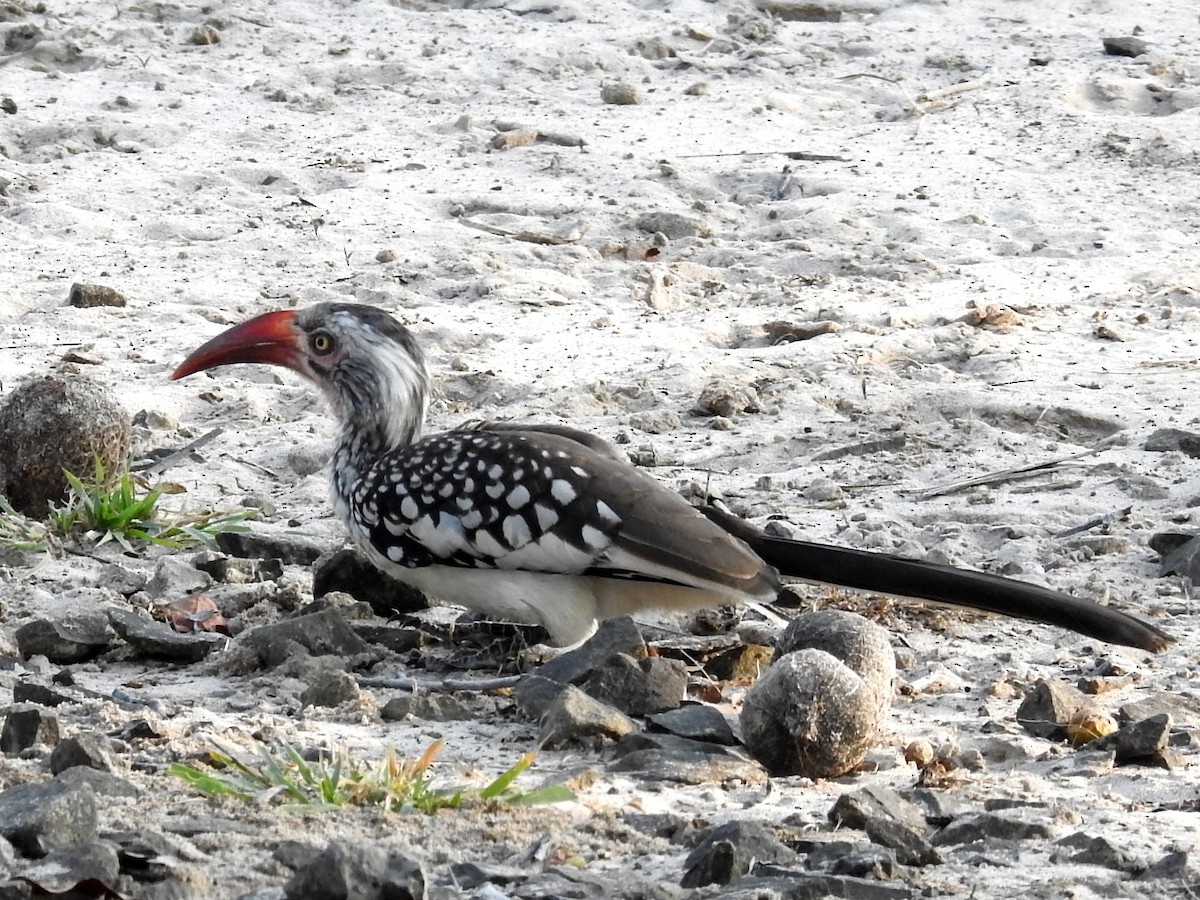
{"x": 993, "y": 223}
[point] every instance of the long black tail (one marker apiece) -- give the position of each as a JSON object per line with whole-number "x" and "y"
{"x": 868, "y": 571}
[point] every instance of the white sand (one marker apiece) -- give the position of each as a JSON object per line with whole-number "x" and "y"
{"x": 989, "y": 158}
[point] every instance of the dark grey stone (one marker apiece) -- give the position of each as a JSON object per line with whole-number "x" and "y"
{"x": 157, "y": 640}
{"x": 68, "y": 641}
{"x": 347, "y": 570}
{"x": 105, "y": 784}
{"x": 991, "y": 826}
{"x": 534, "y": 695}
{"x": 85, "y": 296}
{"x": 856, "y": 808}
{"x": 654, "y": 740}
{"x": 344, "y": 871}
{"x": 1125, "y": 46}
{"x": 909, "y": 846}
{"x": 430, "y": 707}
{"x": 697, "y": 721}
{"x": 469, "y": 875}
{"x": 1093, "y": 850}
{"x": 729, "y": 851}
{"x": 1048, "y": 708}
{"x": 823, "y": 853}
{"x": 26, "y": 691}
{"x": 619, "y": 635}
{"x": 36, "y": 817}
{"x": 1182, "y": 710}
{"x": 288, "y": 549}
{"x": 874, "y": 862}
{"x": 574, "y": 717}
{"x": 1161, "y": 440}
{"x": 88, "y": 748}
{"x": 324, "y": 633}
{"x": 1180, "y": 555}
{"x": 637, "y": 687}
{"x": 25, "y": 726}
{"x": 174, "y": 578}
{"x": 777, "y": 882}
{"x": 1173, "y": 866}
{"x": 330, "y": 688}
{"x": 72, "y": 866}
{"x": 397, "y": 640}
{"x": 1142, "y": 742}
{"x": 680, "y": 767}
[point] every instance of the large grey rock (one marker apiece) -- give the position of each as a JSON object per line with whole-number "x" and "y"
{"x": 157, "y": 640}
{"x": 88, "y": 748}
{"x": 574, "y": 717}
{"x": 36, "y": 817}
{"x": 64, "y": 641}
{"x": 324, "y": 633}
{"x": 344, "y": 871}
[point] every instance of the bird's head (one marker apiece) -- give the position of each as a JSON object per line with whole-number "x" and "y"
{"x": 365, "y": 362}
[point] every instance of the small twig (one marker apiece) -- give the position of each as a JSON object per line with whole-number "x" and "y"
{"x": 1002, "y": 475}
{"x": 1098, "y": 522}
{"x": 261, "y": 23}
{"x": 50, "y": 344}
{"x": 802, "y": 155}
{"x": 954, "y": 90}
{"x": 157, "y": 468}
{"x": 443, "y": 685}
{"x": 532, "y": 237}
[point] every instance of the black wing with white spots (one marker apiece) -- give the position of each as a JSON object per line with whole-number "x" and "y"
{"x": 541, "y": 501}
{"x": 488, "y": 500}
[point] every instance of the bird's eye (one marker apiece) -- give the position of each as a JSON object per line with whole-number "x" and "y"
{"x": 322, "y": 343}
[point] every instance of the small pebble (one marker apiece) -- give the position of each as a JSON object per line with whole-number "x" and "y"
{"x": 919, "y": 753}
{"x": 1124, "y": 46}
{"x": 205, "y": 35}
{"x": 620, "y": 94}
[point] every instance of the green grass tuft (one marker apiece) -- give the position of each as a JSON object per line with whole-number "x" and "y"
{"x": 121, "y": 508}
{"x": 389, "y": 782}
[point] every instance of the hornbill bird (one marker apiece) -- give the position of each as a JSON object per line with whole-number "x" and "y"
{"x": 548, "y": 525}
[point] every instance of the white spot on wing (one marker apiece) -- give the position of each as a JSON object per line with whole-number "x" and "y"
{"x": 518, "y": 496}
{"x": 409, "y": 509}
{"x": 488, "y": 545}
{"x": 594, "y": 537}
{"x": 606, "y": 514}
{"x": 562, "y": 492}
{"x": 550, "y": 553}
{"x": 443, "y": 538}
{"x": 516, "y": 531}
{"x": 546, "y": 517}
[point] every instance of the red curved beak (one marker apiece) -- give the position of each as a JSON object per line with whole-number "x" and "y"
{"x": 269, "y": 338}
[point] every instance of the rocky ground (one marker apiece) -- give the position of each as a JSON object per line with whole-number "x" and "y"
{"x": 834, "y": 261}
